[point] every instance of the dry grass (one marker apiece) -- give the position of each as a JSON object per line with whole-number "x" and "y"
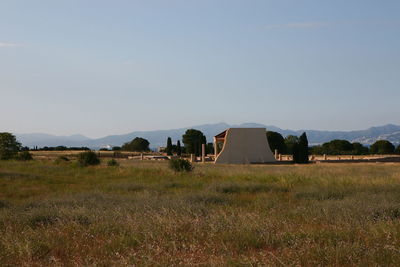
{"x": 143, "y": 214}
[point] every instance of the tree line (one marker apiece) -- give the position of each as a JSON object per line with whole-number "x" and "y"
{"x": 193, "y": 140}
{"x": 334, "y": 147}
{"x": 344, "y": 147}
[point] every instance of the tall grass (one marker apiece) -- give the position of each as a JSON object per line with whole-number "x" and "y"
{"x": 142, "y": 213}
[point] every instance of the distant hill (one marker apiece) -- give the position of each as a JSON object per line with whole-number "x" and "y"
{"x": 41, "y": 140}
{"x": 158, "y": 138}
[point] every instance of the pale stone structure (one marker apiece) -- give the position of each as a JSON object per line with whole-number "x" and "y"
{"x": 243, "y": 146}
{"x": 203, "y": 153}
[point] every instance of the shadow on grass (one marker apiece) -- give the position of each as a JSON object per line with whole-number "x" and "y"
{"x": 4, "y": 204}
{"x": 15, "y": 175}
{"x": 251, "y": 188}
{"x": 127, "y": 187}
{"x": 321, "y": 195}
{"x": 387, "y": 214}
{"x": 42, "y": 220}
{"x": 208, "y": 199}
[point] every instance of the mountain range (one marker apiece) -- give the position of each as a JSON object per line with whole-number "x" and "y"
{"x": 158, "y": 138}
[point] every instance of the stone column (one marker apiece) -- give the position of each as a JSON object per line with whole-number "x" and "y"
{"x": 203, "y": 153}
{"x": 215, "y": 148}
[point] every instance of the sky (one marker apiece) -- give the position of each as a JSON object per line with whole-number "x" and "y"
{"x": 100, "y": 67}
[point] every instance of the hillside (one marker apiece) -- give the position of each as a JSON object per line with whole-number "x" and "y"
{"x": 158, "y": 138}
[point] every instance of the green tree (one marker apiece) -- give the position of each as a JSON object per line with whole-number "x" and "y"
{"x": 276, "y": 141}
{"x": 359, "y": 149}
{"x": 397, "y": 151}
{"x": 382, "y": 147}
{"x": 178, "y": 148}
{"x": 296, "y": 153}
{"x": 290, "y": 142}
{"x": 210, "y": 148}
{"x": 9, "y": 146}
{"x": 137, "y": 145}
{"x": 316, "y": 150}
{"x": 169, "y": 146}
{"x": 302, "y": 149}
{"x": 337, "y": 147}
{"x": 193, "y": 139}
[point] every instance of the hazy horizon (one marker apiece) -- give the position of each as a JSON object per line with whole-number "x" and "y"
{"x": 99, "y": 67}
{"x": 189, "y": 126}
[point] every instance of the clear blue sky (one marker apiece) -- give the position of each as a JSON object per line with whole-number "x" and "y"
{"x": 101, "y": 67}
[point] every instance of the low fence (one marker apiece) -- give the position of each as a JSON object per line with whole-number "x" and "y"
{"x": 211, "y": 158}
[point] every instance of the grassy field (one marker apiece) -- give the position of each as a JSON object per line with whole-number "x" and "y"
{"x": 146, "y": 215}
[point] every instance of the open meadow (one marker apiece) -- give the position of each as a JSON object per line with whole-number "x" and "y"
{"x": 141, "y": 213}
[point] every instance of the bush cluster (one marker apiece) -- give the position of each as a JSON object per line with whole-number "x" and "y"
{"x": 180, "y": 165}
{"x": 112, "y": 163}
{"x": 24, "y": 156}
{"x": 88, "y": 158}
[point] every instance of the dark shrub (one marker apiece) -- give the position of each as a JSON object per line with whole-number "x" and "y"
{"x": 24, "y": 155}
{"x": 88, "y": 158}
{"x": 180, "y": 165}
{"x": 112, "y": 163}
